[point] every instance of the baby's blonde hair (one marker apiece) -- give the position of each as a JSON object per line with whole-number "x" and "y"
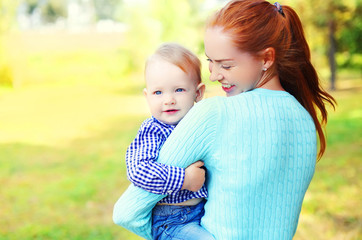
{"x": 181, "y": 57}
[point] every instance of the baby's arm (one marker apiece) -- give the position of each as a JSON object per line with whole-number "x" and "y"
{"x": 192, "y": 139}
{"x": 194, "y": 177}
{"x": 143, "y": 170}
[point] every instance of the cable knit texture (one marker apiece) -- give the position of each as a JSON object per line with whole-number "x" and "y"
{"x": 259, "y": 148}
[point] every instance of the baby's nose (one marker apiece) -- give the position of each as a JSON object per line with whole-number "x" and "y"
{"x": 170, "y": 100}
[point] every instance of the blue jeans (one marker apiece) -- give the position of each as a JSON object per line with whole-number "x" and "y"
{"x": 179, "y": 223}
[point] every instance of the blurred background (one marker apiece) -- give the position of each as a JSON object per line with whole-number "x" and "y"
{"x": 71, "y": 80}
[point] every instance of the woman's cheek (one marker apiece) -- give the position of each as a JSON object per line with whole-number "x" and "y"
{"x": 210, "y": 67}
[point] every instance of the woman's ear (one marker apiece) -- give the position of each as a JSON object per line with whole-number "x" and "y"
{"x": 268, "y": 57}
{"x": 200, "y": 90}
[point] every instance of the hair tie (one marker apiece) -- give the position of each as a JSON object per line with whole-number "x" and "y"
{"x": 279, "y": 8}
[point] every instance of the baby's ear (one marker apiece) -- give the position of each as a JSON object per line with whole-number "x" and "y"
{"x": 145, "y": 92}
{"x": 200, "y": 90}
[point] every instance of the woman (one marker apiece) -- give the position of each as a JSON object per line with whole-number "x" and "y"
{"x": 259, "y": 144}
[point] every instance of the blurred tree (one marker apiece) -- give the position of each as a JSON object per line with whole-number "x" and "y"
{"x": 142, "y": 34}
{"x": 53, "y": 9}
{"x": 155, "y": 21}
{"x": 107, "y": 9}
{"x": 50, "y": 10}
{"x": 179, "y": 19}
{"x": 7, "y": 13}
{"x": 32, "y": 4}
{"x": 340, "y": 22}
{"x": 350, "y": 39}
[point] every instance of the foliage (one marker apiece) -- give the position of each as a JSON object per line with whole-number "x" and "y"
{"x": 7, "y": 12}
{"x": 351, "y": 36}
{"x": 154, "y": 22}
{"x": 53, "y": 9}
{"x": 107, "y": 9}
{"x": 50, "y": 10}
{"x": 346, "y": 15}
{"x": 31, "y": 6}
{"x": 6, "y": 76}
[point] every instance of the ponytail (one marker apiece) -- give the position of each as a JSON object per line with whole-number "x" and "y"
{"x": 298, "y": 76}
{"x": 257, "y": 25}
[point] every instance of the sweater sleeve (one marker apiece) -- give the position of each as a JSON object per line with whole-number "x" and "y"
{"x": 193, "y": 137}
{"x": 190, "y": 141}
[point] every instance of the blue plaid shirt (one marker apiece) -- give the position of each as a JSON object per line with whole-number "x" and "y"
{"x": 143, "y": 170}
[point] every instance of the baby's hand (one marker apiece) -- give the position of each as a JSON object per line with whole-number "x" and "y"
{"x": 194, "y": 176}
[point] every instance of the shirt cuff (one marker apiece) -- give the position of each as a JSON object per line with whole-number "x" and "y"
{"x": 175, "y": 180}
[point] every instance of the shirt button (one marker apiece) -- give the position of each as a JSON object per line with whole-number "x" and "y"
{"x": 169, "y": 191}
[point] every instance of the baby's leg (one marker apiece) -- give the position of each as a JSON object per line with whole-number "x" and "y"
{"x": 179, "y": 223}
{"x": 193, "y": 231}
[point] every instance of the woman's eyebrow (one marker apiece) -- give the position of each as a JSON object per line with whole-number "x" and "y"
{"x": 220, "y": 60}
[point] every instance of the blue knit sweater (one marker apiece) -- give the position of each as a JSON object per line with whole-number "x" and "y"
{"x": 259, "y": 148}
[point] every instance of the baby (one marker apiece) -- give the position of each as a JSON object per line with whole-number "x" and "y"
{"x": 173, "y": 85}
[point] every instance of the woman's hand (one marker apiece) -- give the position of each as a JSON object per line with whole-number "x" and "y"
{"x": 194, "y": 176}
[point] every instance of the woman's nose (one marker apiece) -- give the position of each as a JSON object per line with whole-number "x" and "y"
{"x": 215, "y": 75}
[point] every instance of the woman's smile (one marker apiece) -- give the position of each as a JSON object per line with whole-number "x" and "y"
{"x": 228, "y": 87}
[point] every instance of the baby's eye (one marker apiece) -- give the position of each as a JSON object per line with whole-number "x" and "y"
{"x": 157, "y": 92}
{"x": 180, "y": 90}
{"x": 209, "y": 60}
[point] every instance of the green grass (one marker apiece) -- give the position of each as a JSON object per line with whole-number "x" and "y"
{"x": 331, "y": 209}
{"x": 65, "y": 127}
{"x": 65, "y": 192}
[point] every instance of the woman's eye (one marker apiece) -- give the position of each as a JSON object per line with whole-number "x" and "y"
{"x": 157, "y": 92}
{"x": 180, "y": 90}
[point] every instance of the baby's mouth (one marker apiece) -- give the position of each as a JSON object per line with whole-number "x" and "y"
{"x": 171, "y": 111}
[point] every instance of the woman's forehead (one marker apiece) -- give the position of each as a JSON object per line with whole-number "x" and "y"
{"x": 219, "y": 46}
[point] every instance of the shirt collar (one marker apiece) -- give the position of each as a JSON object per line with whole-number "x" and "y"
{"x": 162, "y": 123}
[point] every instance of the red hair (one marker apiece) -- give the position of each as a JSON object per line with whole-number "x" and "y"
{"x": 257, "y": 25}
